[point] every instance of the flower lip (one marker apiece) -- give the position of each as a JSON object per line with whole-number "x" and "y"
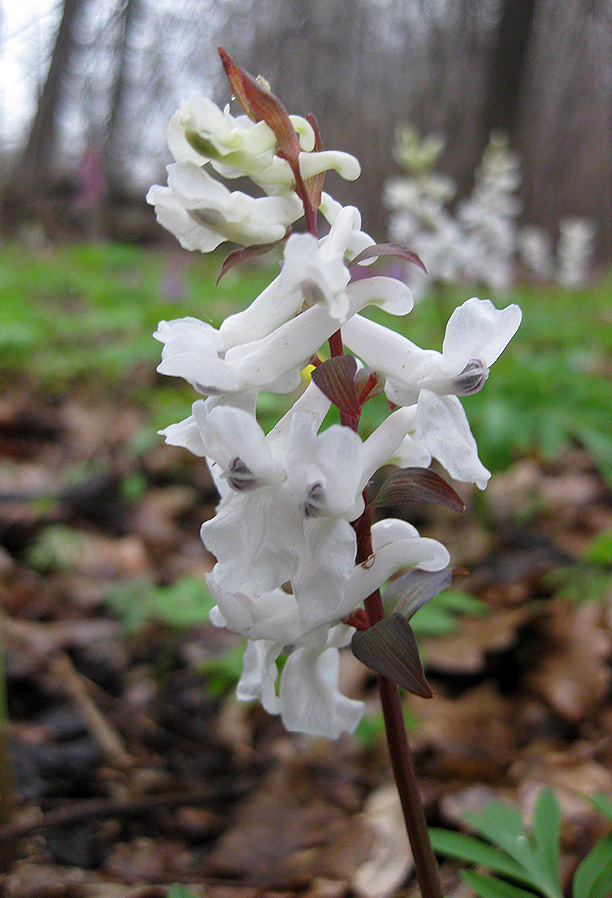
{"x": 471, "y": 379}
{"x": 240, "y": 477}
{"x": 314, "y": 504}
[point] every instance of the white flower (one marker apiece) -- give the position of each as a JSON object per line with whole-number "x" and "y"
{"x": 202, "y": 213}
{"x": 476, "y": 335}
{"x": 575, "y": 251}
{"x": 308, "y": 698}
{"x": 358, "y": 240}
{"x": 286, "y": 517}
{"x": 200, "y": 132}
{"x": 278, "y": 179}
{"x": 213, "y": 364}
{"x": 312, "y": 272}
{"x": 396, "y": 545}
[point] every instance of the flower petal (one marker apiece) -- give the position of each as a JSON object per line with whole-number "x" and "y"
{"x": 477, "y": 330}
{"x": 442, "y": 426}
{"x": 309, "y": 696}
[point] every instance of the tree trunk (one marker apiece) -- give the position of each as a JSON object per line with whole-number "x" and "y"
{"x": 114, "y": 153}
{"x": 33, "y": 168}
{"x": 507, "y": 67}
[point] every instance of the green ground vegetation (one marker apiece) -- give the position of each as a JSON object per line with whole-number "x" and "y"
{"x": 84, "y": 314}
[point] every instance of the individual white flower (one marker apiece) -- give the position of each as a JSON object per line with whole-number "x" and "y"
{"x": 312, "y": 272}
{"x": 396, "y": 545}
{"x": 357, "y": 240}
{"x": 278, "y": 178}
{"x": 223, "y": 362}
{"x": 435, "y": 427}
{"x": 200, "y": 132}
{"x": 442, "y": 428}
{"x": 202, "y": 213}
{"x": 307, "y": 698}
{"x": 476, "y": 335}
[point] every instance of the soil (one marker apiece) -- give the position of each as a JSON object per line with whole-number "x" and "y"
{"x": 132, "y": 768}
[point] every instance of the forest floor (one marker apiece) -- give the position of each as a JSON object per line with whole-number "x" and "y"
{"x": 135, "y": 768}
{"x": 132, "y": 765}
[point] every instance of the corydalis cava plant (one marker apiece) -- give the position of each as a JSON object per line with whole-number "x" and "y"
{"x": 300, "y": 563}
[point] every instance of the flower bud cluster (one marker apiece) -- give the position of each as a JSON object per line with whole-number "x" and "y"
{"x": 291, "y": 573}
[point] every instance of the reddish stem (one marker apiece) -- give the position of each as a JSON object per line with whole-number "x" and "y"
{"x": 425, "y": 863}
{"x": 336, "y": 347}
{"x": 397, "y": 740}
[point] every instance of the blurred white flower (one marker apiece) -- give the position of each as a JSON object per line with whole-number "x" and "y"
{"x": 535, "y": 247}
{"x": 575, "y": 251}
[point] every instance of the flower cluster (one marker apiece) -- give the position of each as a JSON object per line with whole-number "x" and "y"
{"x": 477, "y": 244}
{"x": 481, "y": 242}
{"x": 297, "y": 555}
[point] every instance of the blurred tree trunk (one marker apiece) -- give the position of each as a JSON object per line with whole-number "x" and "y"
{"x": 114, "y": 161}
{"x": 33, "y": 167}
{"x": 507, "y": 64}
{"x": 565, "y": 135}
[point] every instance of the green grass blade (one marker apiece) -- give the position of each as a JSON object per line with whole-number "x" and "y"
{"x": 593, "y": 878}
{"x": 488, "y": 887}
{"x": 467, "y": 848}
{"x": 545, "y": 830}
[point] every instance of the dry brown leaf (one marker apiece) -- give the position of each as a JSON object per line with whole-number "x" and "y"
{"x": 280, "y": 831}
{"x": 470, "y": 736}
{"x": 465, "y": 651}
{"x": 390, "y": 859}
{"x": 32, "y": 880}
{"x": 573, "y": 674}
{"x": 157, "y": 514}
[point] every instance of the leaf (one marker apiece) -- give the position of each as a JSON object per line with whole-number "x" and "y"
{"x": 336, "y": 379}
{"x": 502, "y": 826}
{"x": 244, "y": 254}
{"x": 389, "y": 648}
{"x": 417, "y": 485}
{"x": 261, "y": 105}
{"x": 603, "y": 804}
{"x": 388, "y": 249}
{"x": 467, "y": 848}
{"x": 488, "y": 887}
{"x": 411, "y": 591}
{"x": 593, "y": 878}
{"x": 600, "y": 550}
{"x": 545, "y": 829}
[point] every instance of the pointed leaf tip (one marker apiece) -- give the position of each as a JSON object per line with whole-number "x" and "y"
{"x": 389, "y": 648}
{"x": 417, "y": 485}
{"x": 389, "y": 249}
{"x": 243, "y": 255}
